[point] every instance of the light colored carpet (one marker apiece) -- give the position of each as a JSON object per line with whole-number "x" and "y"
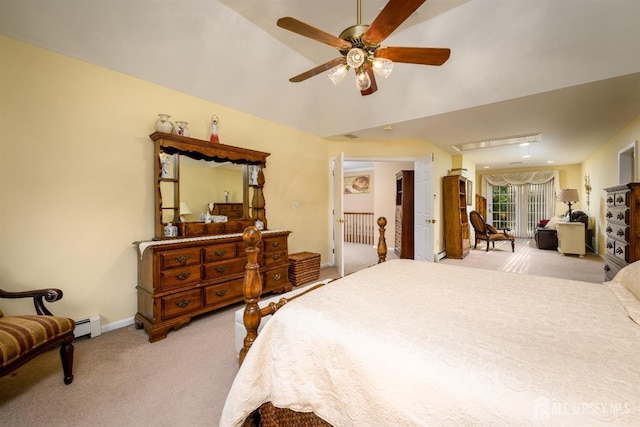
{"x": 123, "y": 380}
{"x": 528, "y": 259}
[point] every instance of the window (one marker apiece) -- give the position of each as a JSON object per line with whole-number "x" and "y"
{"x": 521, "y": 207}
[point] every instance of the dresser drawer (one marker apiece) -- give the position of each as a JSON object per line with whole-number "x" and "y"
{"x": 219, "y": 252}
{"x": 179, "y": 258}
{"x": 216, "y": 270}
{"x": 622, "y": 251}
{"x": 618, "y": 231}
{"x": 273, "y": 244}
{"x": 177, "y": 277}
{"x": 276, "y": 279}
{"x": 224, "y": 293}
{"x": 181, "y": 303}
{"x": 275, "y": 257}
{"x": 619, "y": 215}
{"x": 611, "y": 246}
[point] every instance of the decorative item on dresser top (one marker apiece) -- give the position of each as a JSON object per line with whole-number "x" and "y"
{"x": 201, "y": 269}
{"x": 623, "y": 227}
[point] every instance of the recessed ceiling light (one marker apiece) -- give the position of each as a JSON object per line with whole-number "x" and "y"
{"x": 551, "y": 161}
{"x": 486, "y": 167}
{"x": 524, "y": 144}
{"x": 387, "y": 128}
{"x": 526, "y": 156}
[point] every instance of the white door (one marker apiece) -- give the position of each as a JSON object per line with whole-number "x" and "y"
{"x": 423, "y": 209}
{"x": 338, "y": 214}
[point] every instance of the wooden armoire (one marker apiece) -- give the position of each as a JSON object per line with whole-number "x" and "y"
{"x": 456, "y": 219}
{"x": 403, "y": 247}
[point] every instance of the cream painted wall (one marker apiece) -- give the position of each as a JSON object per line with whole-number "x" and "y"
{"x": 602, "y": 168}
{"x": 76, "y": 177}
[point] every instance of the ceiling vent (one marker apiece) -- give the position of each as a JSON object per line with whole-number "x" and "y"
{"x": 350, "y": 136}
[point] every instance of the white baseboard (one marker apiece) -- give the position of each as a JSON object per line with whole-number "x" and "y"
{"x": 117, "y": 325}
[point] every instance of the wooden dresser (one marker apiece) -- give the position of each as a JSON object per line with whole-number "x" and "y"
{"x": 456, "y": 219}
{"x": 623, "y": 227}
{"x": 230, "y": 210}
{"x": 403, "y": 247}
{"x": 180, "y": 279}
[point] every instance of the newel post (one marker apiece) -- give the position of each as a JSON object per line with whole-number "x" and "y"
{"x": 382, "y": 243}
{"x": 252, "y": 288}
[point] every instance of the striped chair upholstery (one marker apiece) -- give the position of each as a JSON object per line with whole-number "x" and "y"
{"x": 24, "y": 337}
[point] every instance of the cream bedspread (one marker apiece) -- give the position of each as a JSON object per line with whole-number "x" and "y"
{"x": 410, "y": 343}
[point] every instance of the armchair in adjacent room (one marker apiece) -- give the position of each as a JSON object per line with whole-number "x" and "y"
{"x": 488, "y": 233}
{"x": 24, "y": 337}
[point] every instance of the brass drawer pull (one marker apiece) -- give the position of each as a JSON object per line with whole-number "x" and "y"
{"x": 619, "y": 250}
{"x": 619, "y": 199}
{"x": 609, "y": 215}
{"x": 221, "y": 293}
{"x": 621, "y": 216}
{"x": 221, "y": 268}
{"x": 275, "y": 244}
{"x": 607, "y": 268}
{"x": 183, "y": 276}
{"x": 183, "y": 303}
{"x": 275, "y": 256}
{"x": 620, "y": 233}
{"x": 221, "y": 253}
{"x": 182, "y": 259}
{"x": 276, "y": 276}
{"x": 609, "y": 245}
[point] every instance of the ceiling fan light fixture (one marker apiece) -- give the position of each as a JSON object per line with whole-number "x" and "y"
{"x": 336, "y": 74}
{"x": 383, "y": 67}
{"x": 356, "y": 57}
{"x": 363, "y": 81}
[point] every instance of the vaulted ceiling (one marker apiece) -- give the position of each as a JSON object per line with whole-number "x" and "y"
{"x": 566, "y": 68}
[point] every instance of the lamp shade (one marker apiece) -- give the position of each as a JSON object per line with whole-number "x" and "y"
{"x": 569, "y": 195}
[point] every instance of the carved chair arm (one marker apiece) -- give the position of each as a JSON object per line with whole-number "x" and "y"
{"x": 50, "y": 295}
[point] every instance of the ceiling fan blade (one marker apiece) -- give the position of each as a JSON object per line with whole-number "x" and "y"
{"x": 317, "y": 70}
{"x": 390, "y": 18}
{"x": 307, "y": 30}
{"x": 374, "y": 86}
{"x": 414, "y": 55}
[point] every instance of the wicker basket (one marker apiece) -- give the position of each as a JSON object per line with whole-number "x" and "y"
{"x": 304, "y": 267}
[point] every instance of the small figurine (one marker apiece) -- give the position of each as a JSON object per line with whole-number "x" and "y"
{"x": 226, "y": 196}
{"x": 165, "y": 161}
{"x": 253, "y": 175}
{"x": 214, "y": 130}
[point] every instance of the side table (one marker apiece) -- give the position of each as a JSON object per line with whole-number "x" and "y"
{"x": 571, "y": 238}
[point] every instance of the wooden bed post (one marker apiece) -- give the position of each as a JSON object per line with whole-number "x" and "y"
{"x": 382, "y": 243}
{"x": 252, "y": 288}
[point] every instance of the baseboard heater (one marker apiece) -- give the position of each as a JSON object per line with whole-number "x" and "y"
{"x": 88, "y": 326}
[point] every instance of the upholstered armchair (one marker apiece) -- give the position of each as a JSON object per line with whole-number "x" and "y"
{"x": 24, "y": 337}
{"x": 489, "y": 233}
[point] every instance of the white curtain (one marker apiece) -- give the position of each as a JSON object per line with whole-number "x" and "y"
{"x": 532, "y": 204}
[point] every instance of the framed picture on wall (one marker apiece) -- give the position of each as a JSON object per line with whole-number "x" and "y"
{"x": 469, "y": 192}
{"x": 356, "y": 184}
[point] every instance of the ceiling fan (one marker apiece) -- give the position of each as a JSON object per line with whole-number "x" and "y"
{"x": 360, "y": 47}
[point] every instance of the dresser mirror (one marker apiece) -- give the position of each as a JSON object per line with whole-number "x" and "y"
{"x": 204, "y": 188}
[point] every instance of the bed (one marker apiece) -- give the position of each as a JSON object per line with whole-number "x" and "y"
{"x": 413, "y": 343}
